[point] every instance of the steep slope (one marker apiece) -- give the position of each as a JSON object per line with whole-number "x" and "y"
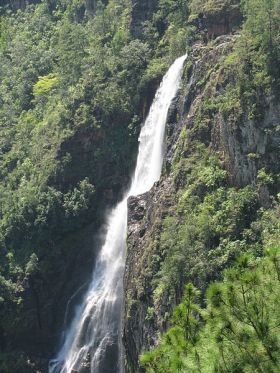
{"x": 217, "y": 198}
{"x": 75, "y": 86}
{"x": 77, "y": 79}
{"x": 68, "y": 138}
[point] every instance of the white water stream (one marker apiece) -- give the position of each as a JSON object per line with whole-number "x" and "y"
{"x": 92, "y": 341}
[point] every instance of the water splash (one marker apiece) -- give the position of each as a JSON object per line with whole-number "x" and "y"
{"x": 92, "y": 342}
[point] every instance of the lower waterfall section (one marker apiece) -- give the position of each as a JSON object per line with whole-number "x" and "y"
{"x": 92, "y": 343}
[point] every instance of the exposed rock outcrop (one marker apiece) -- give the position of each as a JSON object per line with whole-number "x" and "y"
{"x": 245, "y": 146}
{"x": 145, "y": 216}
{"x": 220, "y": 19}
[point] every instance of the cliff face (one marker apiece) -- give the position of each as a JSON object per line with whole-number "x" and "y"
{"x": 221, "y": 164}
{"x": 220, "y": 20}
{"x": 244, "y": 145}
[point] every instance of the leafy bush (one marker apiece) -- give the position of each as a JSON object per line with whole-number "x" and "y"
{"x": 45, "y": 84}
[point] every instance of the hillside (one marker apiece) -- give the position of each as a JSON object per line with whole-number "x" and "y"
{"x": 77, "y": 80}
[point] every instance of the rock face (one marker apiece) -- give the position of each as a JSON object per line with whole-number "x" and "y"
{"x": 250, "y": 146}
{"x": 223, "y": 21}
{"x": 244, "y": 145}
{"x": 247, "y": 144}
{"x": 220, "y": 19}
{"x": 144, "y": 219}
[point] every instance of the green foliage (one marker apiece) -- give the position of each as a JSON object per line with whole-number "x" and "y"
{"x": 238, "y": 331}
{"x": 4, "y": 26}
{"x": 58, "y": 76}
{"x": 212, "y": 229}
{"x": 262, "y": 23}
{"x": 209, "y": 225}
{"x": 70, "y": 88}
{"x": 32, "y": 265}
{"x": 45, "y": 84}
{"x": 252, "y": 68}
{"x": 258, "y": 47}
{"x": 212, "y": 6}
{"x": 174, "y": 344}
{"x": 206, "y": 229}
{"x": 73, "y": 83}
{"x": 264, "y": 178}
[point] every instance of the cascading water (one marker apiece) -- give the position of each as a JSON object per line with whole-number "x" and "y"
{"x": 92, "y": 342}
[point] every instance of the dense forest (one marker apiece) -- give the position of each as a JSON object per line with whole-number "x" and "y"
{"x": 77, "y": 78}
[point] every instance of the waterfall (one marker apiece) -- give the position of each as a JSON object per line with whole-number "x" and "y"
{"x": 92, "y": 341}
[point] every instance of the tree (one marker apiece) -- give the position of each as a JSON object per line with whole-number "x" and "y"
{"x": 179, "y": 339}
{"x": 263, "y": 27}
{"x": 241, "y": 328}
